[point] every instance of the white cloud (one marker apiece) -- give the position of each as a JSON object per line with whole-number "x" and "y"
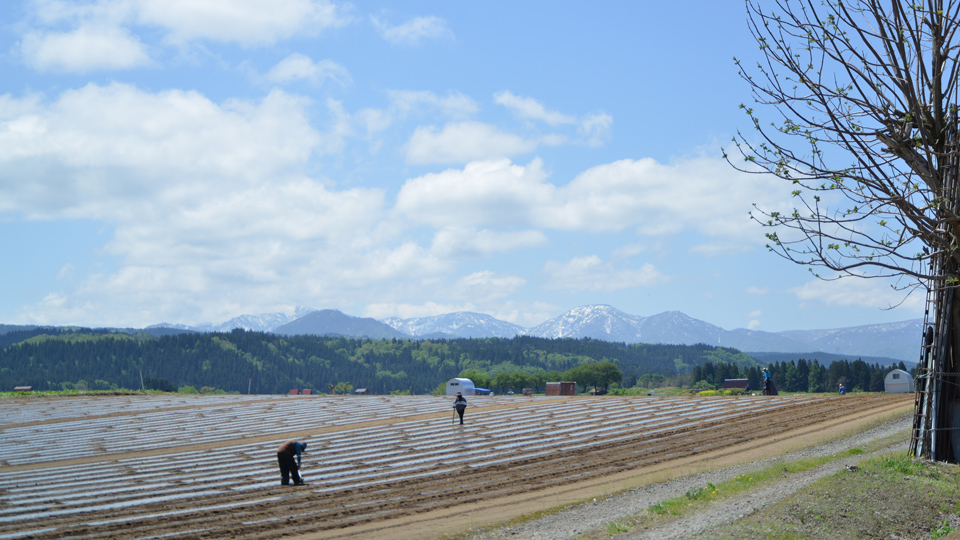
{"x": 529, "y": 108}
{"x": 299, "y": 67}
{"x": 701, "y": 195}
{"x": 485, "y": 286}
{"x": 460, "y": 142}
{"x": 858, "y": 292}
{"x": 465, "y": 242}
{"x": 413, "y": 31}
{"x": 247, "y": 22}
{"x": 483, "y": 193}
{"x": 592, "y": 274}
{"x": 93, "y": 149}
{"x": 753, "y": 324}
{"x": 88, "y": 48}
{"x": 759, "y": 291}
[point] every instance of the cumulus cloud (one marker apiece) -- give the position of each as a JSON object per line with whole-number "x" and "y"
{"x": 299, "y": 67}
{"x": 83, "y": 37}
{"x": 483, "y": 193}
{"x": 460, "y": 142}
{"x": 246, "y": 22}
{"x": 703, "y": 195}
{"x": 97, "y": 145}
{"x": 590, "y": 273}
{"x": 414, "y": 31}
{"x": 85, "y": 49}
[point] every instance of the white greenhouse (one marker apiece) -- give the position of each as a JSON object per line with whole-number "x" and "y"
{"x": 464, "y": 386}
{"x": 898, "y": 381}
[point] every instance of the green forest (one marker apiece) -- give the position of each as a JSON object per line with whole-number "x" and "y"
{"x": 264, "y": 363}
{"x": 799, "y": 376}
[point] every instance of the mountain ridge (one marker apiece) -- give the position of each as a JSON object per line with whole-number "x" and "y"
{"x": 898, "y": 340}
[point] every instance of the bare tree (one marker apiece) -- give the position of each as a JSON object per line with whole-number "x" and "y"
{"x": 865, "y": 131}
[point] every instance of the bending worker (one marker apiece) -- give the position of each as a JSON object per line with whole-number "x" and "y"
{"x": 289, "y": 467}
{"x": 460, "y": 404}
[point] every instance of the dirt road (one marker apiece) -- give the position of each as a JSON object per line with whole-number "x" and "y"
{"x": 380, "y": 467}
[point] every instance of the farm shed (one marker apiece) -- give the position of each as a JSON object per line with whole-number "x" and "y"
{"x": 482, "y": 392}
{"x": 464, "y": 386}
{"x": 361, "y": 392}
{"x": 23, "y": 389}
{"x": 898, "y": 381}
{"x": 736, "y": 383}
{"x": 565, "y": 388}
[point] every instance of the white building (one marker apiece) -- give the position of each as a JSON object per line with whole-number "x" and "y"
{"x": 898, "y": 381}
{"x": 464, "y": 386}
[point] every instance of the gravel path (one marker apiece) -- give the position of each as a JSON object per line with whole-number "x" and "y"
{"x": 600, "y": 513}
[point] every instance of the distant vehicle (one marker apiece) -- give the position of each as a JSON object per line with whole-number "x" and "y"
{"x": 510, "y": 392}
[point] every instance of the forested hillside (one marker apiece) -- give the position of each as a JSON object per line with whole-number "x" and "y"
{"x": 270, "y": 364}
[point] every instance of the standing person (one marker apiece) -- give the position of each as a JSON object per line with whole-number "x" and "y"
{"x": 843, "y": 390}
{"x": 460, "y": 404}
{"x": 289, "y": 467}
{"x": 766, "y": 382}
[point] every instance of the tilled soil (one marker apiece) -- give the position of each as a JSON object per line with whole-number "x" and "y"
{"x": 405, "y": 475}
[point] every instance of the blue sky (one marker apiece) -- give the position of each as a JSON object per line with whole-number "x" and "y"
{"x": 188, "y": 162}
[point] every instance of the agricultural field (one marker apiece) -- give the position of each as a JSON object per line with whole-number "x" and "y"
{"x": 179, "y": 466}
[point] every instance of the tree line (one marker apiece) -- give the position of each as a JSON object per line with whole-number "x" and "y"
{"x": 264, "y": 363}
{"x": 798, "y": 376}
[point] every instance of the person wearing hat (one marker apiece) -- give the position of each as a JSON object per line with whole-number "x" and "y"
{"x": 289, "y": 467}
{"x": 460, "y": 404}
{"x": 766, "y": 382}
{"x": 843, "y": 390}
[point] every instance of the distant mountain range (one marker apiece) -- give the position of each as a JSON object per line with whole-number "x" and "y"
{"x": 896, "y": 341}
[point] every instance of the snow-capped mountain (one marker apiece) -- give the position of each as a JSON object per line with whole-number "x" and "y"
{"x": 334, "y": 322}
{"x": 597, "y": 322}
{"x": 264, "y": 322}
{"x": 899, "y": 340}
{"x": 462, "y": 324}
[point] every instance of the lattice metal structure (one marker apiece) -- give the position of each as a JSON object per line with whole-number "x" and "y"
{"x": 937, "y": 406}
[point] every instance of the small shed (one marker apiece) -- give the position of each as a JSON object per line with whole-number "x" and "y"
{"x": 464, "y": 386}
{"x": 306, "y": 392}
{"x": 23, "y": 389}
{"x": 361, "y": 392}
{"x": 736, "y": 383}
{"x": 898, "y": 381}
{"x": 566, "y": 388}
{"x": 294, "y": 391}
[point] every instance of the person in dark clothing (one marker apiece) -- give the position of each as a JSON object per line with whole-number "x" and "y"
{"x": 289, "y": 467}
{"x": 766, "y": 382}
{"x": 460, "y": 404}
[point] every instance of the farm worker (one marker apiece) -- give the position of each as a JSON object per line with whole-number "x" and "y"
{"x": 288, "y": 466}
{"x": 460, "y": 404}
{"x": 766, "y": 382}
{"x": 843, "y": 390}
